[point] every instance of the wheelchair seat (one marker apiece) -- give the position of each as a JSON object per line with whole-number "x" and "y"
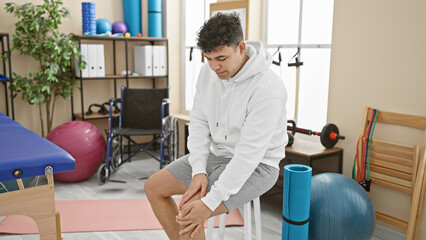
{"x": 144, "y": 112}
{"x": 135, "y": 132}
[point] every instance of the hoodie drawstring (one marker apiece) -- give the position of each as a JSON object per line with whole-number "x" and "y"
{"x": 217, "y": 104}
{"x": 229, "y": 110}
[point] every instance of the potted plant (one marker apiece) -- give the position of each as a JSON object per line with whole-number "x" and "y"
{"x": 37, "y": 36}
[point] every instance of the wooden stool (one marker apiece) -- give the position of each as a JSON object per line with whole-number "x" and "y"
{"x": 247, "y": 222}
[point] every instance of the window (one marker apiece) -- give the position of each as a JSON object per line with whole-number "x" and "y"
{"x": 302, "y": 30}
{"x": 195, "y": 13}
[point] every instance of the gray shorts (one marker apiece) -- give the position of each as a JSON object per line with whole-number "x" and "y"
{"x": 262, "y": 179}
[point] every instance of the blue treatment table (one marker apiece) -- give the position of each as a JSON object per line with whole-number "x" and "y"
{"x": 25, "y": 154}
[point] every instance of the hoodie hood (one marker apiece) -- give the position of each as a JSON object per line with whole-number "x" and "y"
{"x": 259, "y": 60}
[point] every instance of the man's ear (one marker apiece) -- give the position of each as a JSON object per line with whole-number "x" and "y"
{"x": 242, "y": 47}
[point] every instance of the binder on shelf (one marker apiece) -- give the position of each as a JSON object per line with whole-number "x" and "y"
{"x": 156, "y": 60}
{"x": 144, "y": 60}
{"x": 163, "y": 61}
{"x": 85, "y": 71}
{"x": 92, "y": 60}
{"x": 100, "y": 60}
{"x": 159, "y": 60}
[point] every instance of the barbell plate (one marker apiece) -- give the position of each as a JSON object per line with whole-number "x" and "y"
{"x": 325, "y": 135}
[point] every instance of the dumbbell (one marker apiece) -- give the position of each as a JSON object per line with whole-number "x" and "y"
{"x": 292, "y": 133}
{"x": 328, "y": 136}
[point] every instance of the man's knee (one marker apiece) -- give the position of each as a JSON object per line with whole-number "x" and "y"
{"x": 163, "y": 184}
{"x": 149, "y": 186}
{"x": 152, "y": 185}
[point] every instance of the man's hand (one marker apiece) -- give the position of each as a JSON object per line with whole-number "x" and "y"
{"x": 193, "y": 216}
{"x": 198, "y": 184}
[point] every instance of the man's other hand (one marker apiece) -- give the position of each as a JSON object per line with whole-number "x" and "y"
{"x": 192, "y": 216}
{"x": 198, "y": 185}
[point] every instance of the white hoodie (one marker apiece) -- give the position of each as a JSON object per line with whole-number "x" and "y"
{"x": 243, "y": 118}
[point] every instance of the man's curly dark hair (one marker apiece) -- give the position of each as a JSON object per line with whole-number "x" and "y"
{"x": 220, "y": 30}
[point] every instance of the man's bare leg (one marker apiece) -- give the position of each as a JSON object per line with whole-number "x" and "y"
{"x": 159, "y": 188}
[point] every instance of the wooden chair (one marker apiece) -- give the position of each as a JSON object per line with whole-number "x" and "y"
{"x": 398, "y": 167}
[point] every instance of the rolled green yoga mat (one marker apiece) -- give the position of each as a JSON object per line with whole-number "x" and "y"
{"x": 296, "y": 202}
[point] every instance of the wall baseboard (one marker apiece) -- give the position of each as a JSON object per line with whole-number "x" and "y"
{"x": 388, "y": 234}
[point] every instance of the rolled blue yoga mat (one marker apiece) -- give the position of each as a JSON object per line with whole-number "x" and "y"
{"x": 154, "y": 5}
{"x": 155, "y": 25}
{"x": 132, "y": 16}
{"x": 296, "y": 202}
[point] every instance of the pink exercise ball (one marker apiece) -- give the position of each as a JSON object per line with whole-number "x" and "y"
{"x": 85, "y": 143}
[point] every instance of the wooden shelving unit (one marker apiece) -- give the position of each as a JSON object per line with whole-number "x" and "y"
{"x": 93, "y": 116}
{"x": 123, "y": 77}
{"x": 80, "y": 114}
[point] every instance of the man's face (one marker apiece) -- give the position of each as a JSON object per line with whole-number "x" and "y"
{"x": 227, "y": 61}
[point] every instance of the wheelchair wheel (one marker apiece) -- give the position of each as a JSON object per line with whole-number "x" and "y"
{"x": 170, "y": 150}
{"x": 171, "y": 140}
{"x": 116, "y": 154}
{"x": 103, "y": 174}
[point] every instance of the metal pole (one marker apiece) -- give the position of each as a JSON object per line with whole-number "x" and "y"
{"x": 9, "y": 54}
{"x": 167, "y": 61}
{"x": 115, "y": 68}
{"x": 127, "y": 64}
{"x": 299, "y": 42}
{"x": 81, "y": 87}
{"x": 4, "y": 72}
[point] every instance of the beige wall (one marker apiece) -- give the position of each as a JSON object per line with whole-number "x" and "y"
{"x": 378, "y": 60}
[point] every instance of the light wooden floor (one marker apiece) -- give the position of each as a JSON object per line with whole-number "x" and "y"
{"x": 131, "y": 172}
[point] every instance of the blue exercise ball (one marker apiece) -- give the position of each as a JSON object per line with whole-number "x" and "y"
{"x": 103, "y": 26}
{"x": 340, "y": 209}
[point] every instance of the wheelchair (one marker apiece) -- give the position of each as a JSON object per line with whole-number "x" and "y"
{"x": 144, "y": 112}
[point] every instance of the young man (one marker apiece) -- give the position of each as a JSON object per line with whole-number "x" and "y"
{"x": 237, "y": 134}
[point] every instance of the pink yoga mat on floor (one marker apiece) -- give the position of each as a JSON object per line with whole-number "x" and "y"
{"x": 100, "y": 216}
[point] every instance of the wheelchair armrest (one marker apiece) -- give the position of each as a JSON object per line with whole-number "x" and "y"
{"x": 166, "y": 101}
{"x": 114, "y": 100}
{"x": 114, "y": 113}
